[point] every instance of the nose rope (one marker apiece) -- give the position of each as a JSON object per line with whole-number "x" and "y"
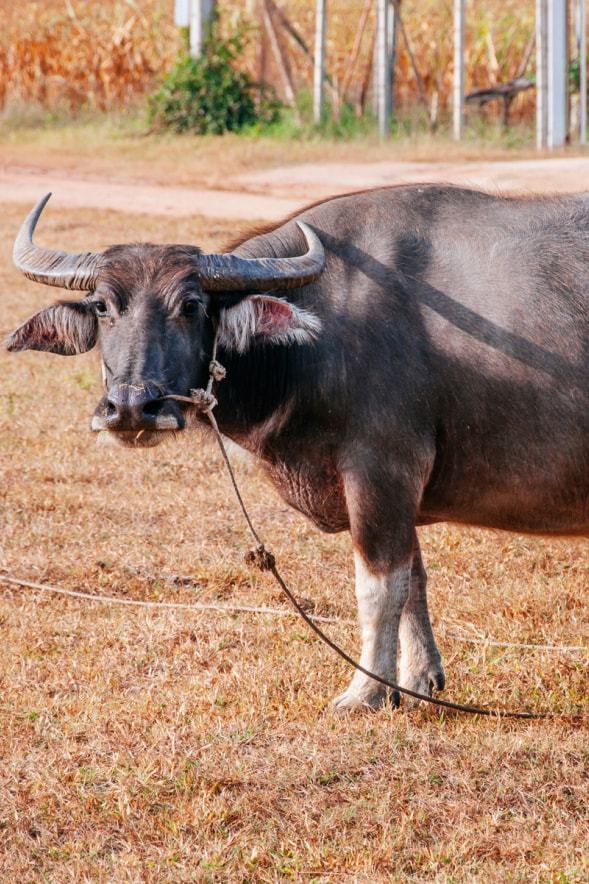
{"x": 203, "y": 399}
{"x": 260, "y": 557}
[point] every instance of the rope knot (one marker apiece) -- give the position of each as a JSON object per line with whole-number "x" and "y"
{"x": 261, "y": 558}
{"x": 203, "y": 400}
{"x": 216, "y": 370}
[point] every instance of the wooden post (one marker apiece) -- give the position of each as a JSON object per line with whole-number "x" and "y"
{"x": 541, "y": 74}
{"x": 458, "y": 90}
{"x": 279, "y": 57}
{"x": 262, "y": 53}
{"x": 355, "y": 53}
{"x": 366, "y": 79}
{"x": 557, "y": 73}
{"x": 383, "y": 65}
{"x": 582, "y": 55}
{"x": 319, "y": 60}
{"x": 201, "y": 16}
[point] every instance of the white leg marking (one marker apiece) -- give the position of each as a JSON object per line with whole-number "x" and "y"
{"x": 421, "y": 663}
{"x": 380, "y": 602}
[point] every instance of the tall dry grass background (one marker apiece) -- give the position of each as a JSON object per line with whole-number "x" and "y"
{"x": 77, "y": 55}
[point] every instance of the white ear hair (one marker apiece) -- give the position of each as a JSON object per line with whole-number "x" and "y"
{"x": 266, "y": 318}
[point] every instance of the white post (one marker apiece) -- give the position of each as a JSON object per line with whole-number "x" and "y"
{"x": 541, "y": 74}
{"x": 458, "y": 91}
{"x": 201, "y": 14}
{"x": 557, "y": 73}
{"x": 582, "y": 52}
{"x": 181, "y": 13}
{"x": 319, "y": 60}
{"x": 383, "y": 66}
{"x": 391, "y": 54}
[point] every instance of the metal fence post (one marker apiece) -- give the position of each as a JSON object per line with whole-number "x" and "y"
{"x": 557, "y": 68}
{"x": 582, "y": 56}
{"x": 541, "y": 74}
{"x": 384, "y": 60}
{"x": 319, "y": 60}
{"x": 458, "y": 90}
{"x": 201, "y": 16}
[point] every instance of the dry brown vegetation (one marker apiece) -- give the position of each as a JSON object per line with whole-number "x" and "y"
{"x": 76, "y": 54}
{"x": 83, "y": 55}
{"x": 142, "y": 745}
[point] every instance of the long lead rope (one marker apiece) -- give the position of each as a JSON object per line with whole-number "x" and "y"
{"x": 262, "y": 558}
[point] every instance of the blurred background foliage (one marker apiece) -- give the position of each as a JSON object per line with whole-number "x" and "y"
{"x": 74, "y": 56}
{"x": 213, "y": 94}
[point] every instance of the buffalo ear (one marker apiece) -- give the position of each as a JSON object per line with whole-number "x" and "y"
{"x": 67, "y": 328}
{"x": 266, "y": 318}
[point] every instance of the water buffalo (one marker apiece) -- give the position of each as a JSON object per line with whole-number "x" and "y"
{"x": 395, "y": 358}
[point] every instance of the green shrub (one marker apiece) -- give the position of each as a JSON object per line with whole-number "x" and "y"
{"x": 211, "y": 95}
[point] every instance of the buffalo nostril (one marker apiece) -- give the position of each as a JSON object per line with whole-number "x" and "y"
{"x": 152, "y": 408}
{"x": 139, "y": 406}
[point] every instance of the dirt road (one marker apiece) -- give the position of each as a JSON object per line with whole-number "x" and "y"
{"x": 564, "y": 174}
{"x": 26, "y": 186}
{"x": 274, "y": 193}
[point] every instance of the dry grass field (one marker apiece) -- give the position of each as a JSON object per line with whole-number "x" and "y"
{"x": 160, "y": 745}
{"x": 107, "y": 147}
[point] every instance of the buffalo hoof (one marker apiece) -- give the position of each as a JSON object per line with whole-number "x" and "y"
{"x": 365, "y": 701}
{"x": 424, "y": 682}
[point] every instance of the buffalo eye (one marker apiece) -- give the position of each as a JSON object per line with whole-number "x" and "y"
{"x": 191, "y": 307}
{"x": 100, "y": 307}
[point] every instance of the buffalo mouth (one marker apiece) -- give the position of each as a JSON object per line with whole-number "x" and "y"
{"x": 134, "y": 438}
{"x": 137, "y": 424}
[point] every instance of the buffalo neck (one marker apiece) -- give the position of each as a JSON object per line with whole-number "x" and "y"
{"x": 262, "y": 384}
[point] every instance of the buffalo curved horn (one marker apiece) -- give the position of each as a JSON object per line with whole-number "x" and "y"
{"x": 68, "y": 270}
{"x": 231, "y": 273}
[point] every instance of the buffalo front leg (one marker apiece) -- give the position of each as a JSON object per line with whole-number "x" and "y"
{"x": 382, "y": 534}
{"x": 381, "y": 598}
{"x": 421, "y": 664}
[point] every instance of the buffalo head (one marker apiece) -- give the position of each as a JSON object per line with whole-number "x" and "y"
{"x": 153, "y": 311}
